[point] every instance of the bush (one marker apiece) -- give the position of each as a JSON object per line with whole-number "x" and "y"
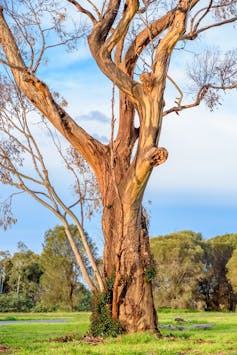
{"x": 84, "y": 302}
{"x": 14, "y": 303}
{"x": 102, "y": 324}
{"x": 42, "y": 308}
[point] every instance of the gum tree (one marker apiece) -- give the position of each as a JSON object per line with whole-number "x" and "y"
{"x": 122, "y": 36}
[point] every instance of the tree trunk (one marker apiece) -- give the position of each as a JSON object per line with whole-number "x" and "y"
{"x": 71, "y": 289}
{"x": 127, "y": 259}
{"x": 128, "y": 262}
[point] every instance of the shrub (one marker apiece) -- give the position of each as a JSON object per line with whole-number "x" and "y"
{"x": 85, "y": 302}
{"x": 15, "y": 303}
{"x": 102, "y": 324}
{"x": 42, "y": 308}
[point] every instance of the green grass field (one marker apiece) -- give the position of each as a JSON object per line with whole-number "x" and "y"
{"x": 42, "y": 338}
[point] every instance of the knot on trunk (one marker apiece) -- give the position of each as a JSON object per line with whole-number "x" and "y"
{"x": 157, "y": 156}
{"x": 148, "y": 81}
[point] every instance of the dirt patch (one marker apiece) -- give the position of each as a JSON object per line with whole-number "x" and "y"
{"x": 192, "y": 326}
{"x": 75, "y": 337}
{"x": 4, "y": 349}
{"x": 64, "y": 339}
{"x": 92, "y": 340}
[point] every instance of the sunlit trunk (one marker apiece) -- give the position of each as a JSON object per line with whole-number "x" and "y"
{"x": 128, "y": 264}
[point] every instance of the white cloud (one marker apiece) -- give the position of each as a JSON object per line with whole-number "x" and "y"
{"x": 66, "y": 58}
{"x": 202, "y": 152}
{"x": 95, "y": 116}
{"x": 85, "y": 88}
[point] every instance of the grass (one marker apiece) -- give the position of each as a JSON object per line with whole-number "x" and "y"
{"x": 41, "y": 338}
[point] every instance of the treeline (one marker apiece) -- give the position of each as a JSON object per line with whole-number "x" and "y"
{"x": 195, "y": 273}
{"x": 47, "y": 282}
{"x": 187, "y": 272}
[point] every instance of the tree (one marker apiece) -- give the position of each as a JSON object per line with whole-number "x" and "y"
{"x": 180, "y": 267}
{"x": 19, "y": 280}
{"x": 220, "y": 294}
{"x": 232, "y": 267}
{"x": 122, "y": 35}
{"x": 5, "y": 266}
{"x": 60, "y": 282}
{"x": 25, "y": 273}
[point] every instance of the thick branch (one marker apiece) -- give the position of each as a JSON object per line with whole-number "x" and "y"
{"x": 144, "y": 37}
{"x": 101, "y": 47}
{"x": 39, "y": 94}
{"x": 174, "y": 34}
{"x": 127, "y": 133}
{"x": 103, "y": 28}
{"x": 130, "y": 10}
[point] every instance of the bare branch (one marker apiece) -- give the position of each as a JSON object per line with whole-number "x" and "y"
{"x": 193, "y": 35}
{"x": 85, "y": 11}
{"x": 200, "y": 96}
{"x": 11, "y": 174}
{"x": 205, "y": 13}
{"x": 179, "y": 99}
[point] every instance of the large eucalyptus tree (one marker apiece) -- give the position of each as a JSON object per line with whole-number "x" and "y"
{"x": 121, "y": 35}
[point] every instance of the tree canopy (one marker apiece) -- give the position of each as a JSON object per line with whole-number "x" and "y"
{"x": 61, "y": 281}
{"x": 232, "y": 267}
{"x": 195, "y": 273}
{"x": 47, "y": 281}
{"x": 180, "y": 267}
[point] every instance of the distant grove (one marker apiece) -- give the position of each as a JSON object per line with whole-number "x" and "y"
{"x": 195, "y": 273}
{"x": 187, "y": 272}
{"x": 46, "y": 282}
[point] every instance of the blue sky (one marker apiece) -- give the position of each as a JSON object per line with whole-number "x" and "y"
{"x": 197, "y": 187}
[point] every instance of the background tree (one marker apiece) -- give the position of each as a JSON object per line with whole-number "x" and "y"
{"x": 221, "y": 295}
{"x": 5, "y": 265}
{"x": 232, "y": 274}
{"x": 61, "y": 280}
{"x": 120, "y": 34}
{"x": 25, "y": 273}
{"x": 180, "y": 267}
{"x": 22, "y": 271}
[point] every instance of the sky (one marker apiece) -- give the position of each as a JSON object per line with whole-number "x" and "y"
{"x": 196, "y": 189}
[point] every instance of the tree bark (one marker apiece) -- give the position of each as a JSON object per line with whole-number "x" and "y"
{"x": 127, "y": 260}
